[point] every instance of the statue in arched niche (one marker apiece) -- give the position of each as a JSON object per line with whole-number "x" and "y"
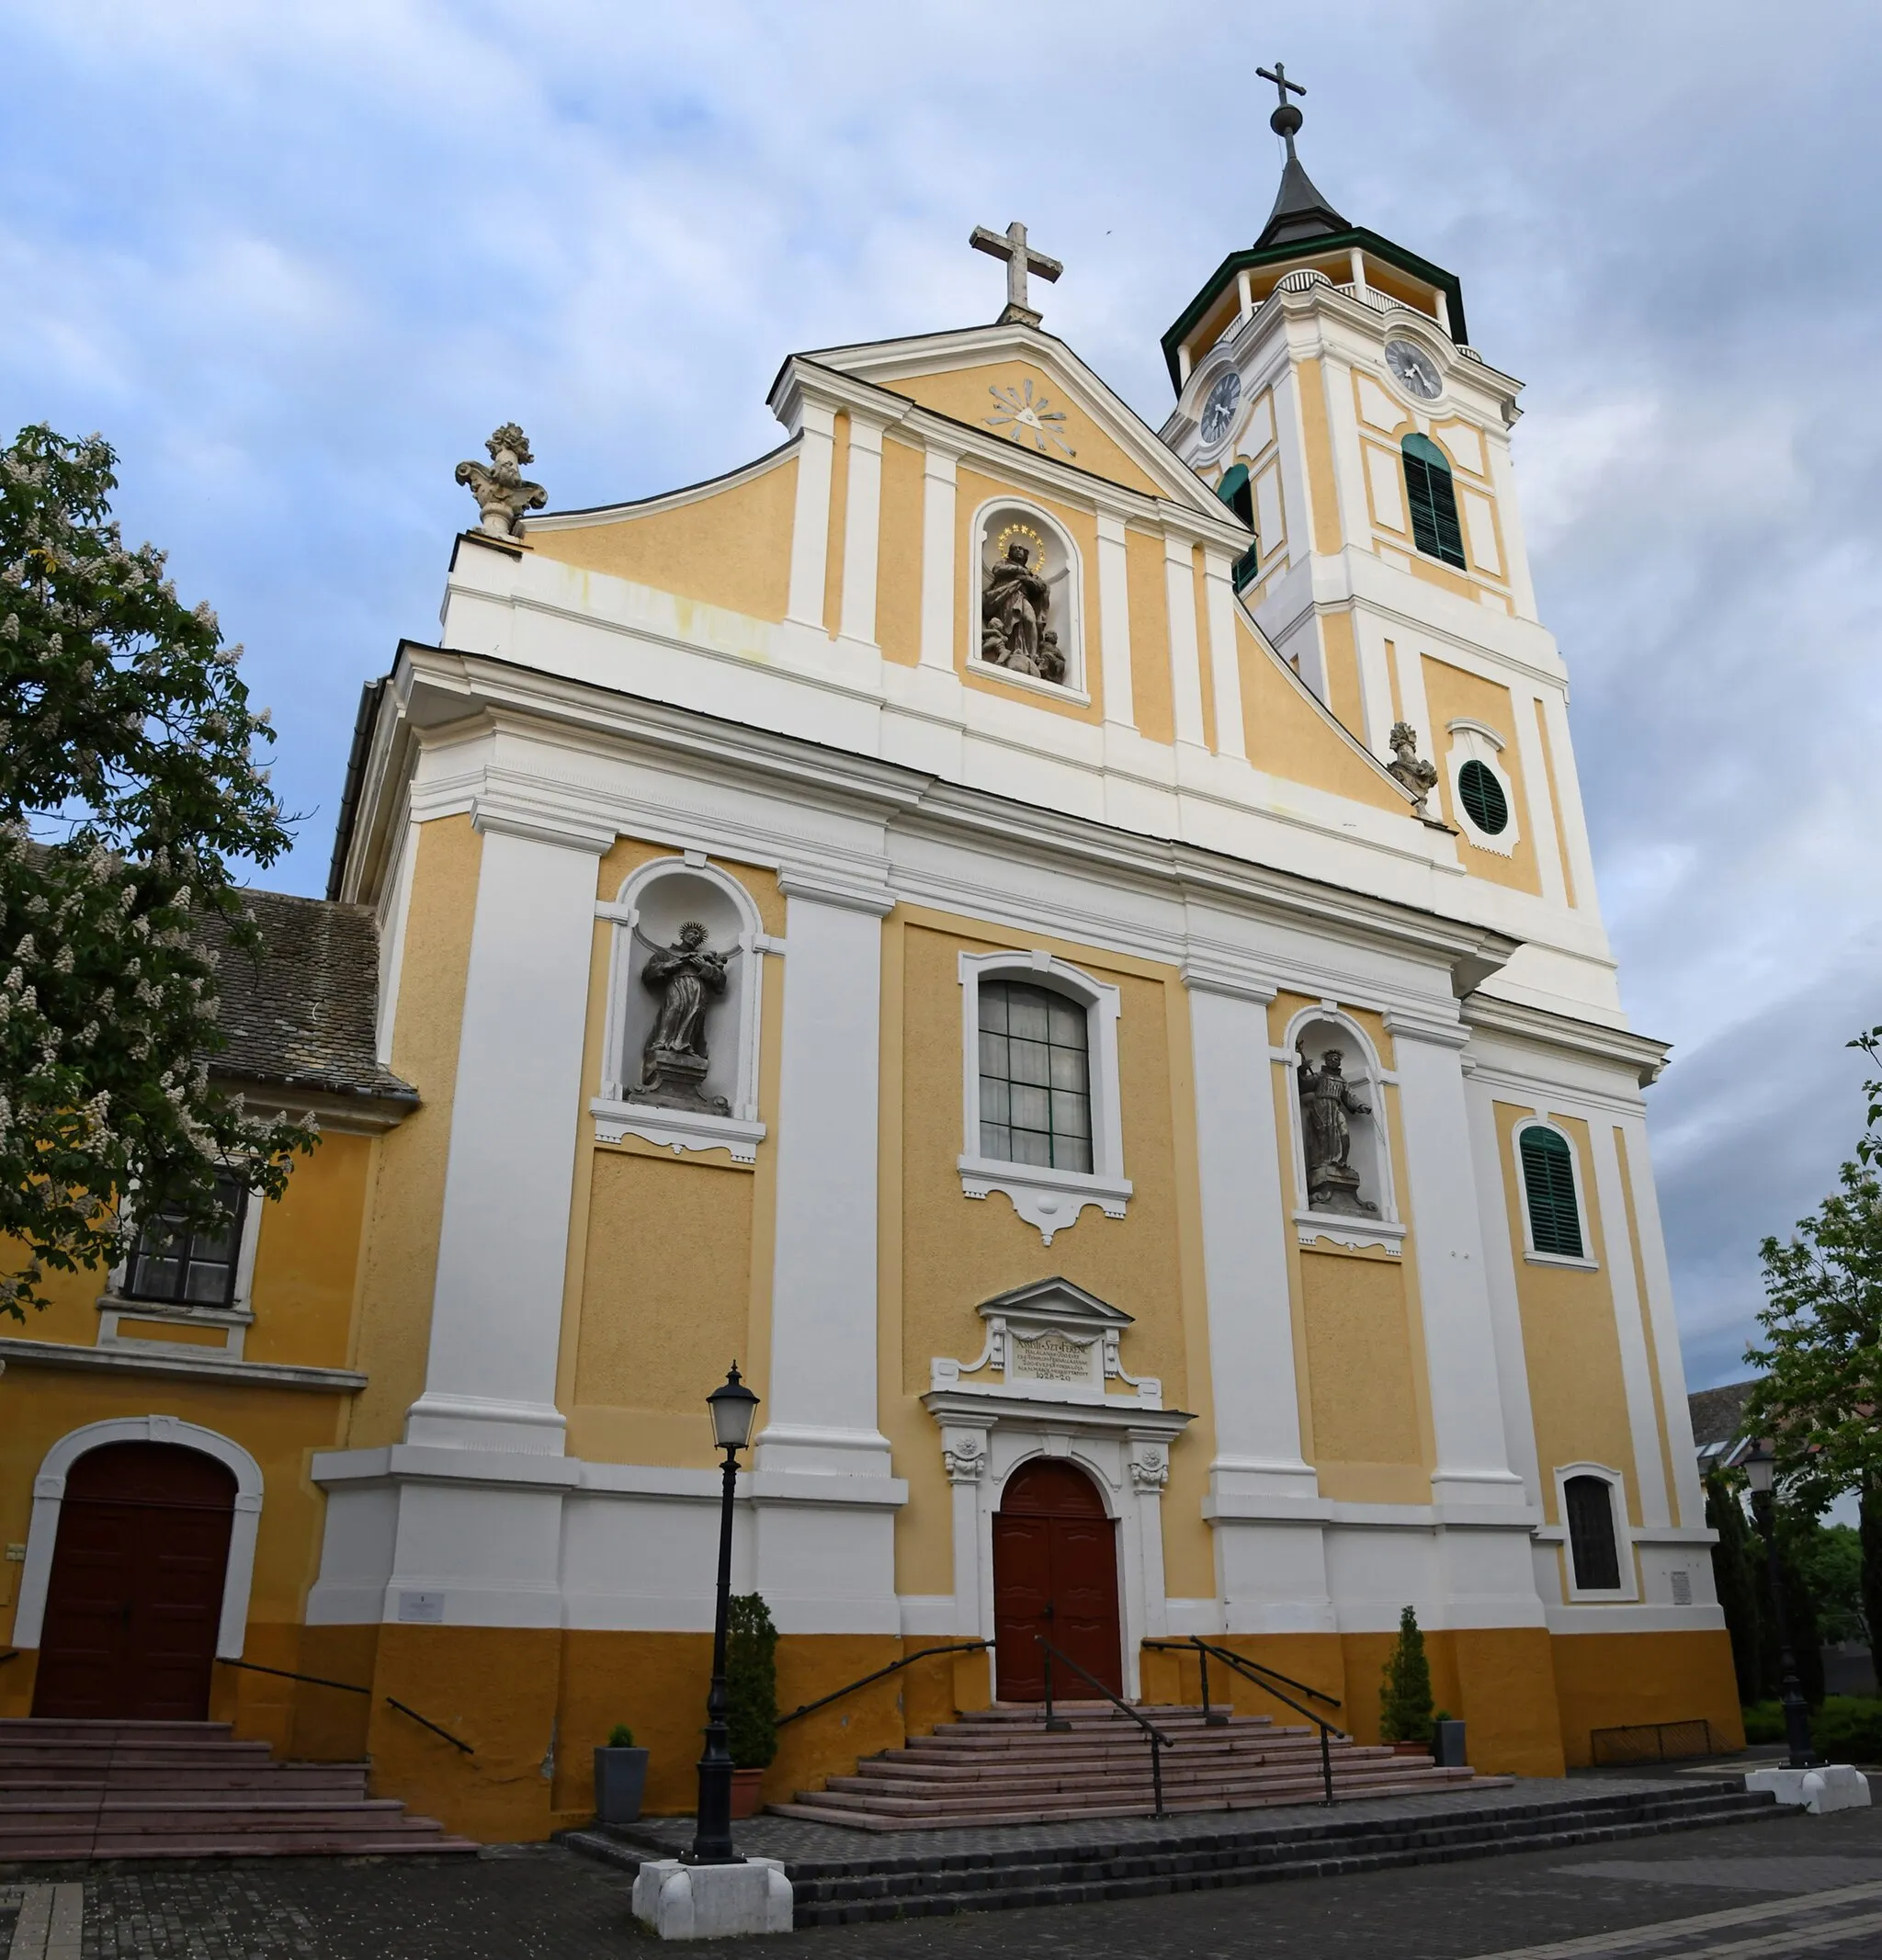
{"x": 1326, "y": 1102}
{"x": 1014, "y": 604}
{"x": 686, "y": 976}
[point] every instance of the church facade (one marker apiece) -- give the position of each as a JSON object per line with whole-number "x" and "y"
{"x": 1050, "y": 941}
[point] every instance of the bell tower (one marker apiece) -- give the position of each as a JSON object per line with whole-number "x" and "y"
{"x": 1328, "y": 391}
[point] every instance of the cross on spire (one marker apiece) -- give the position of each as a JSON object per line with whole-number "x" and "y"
{"x": 1286, "y": 118}
{"x": 1021, "y": 259}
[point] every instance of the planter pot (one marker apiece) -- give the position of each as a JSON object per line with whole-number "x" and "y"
{"x": 1447, "y": 1746}
{"x": 1411, "y": 1748}
{"x": 746, "y": 1786}
{"x": 620, "y": 1775}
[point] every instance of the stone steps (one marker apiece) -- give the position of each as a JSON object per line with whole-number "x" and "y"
{"x": 1106, "y": 1862}
{"x": 1002, "y": 1764}
{"x": 187, "y": 1789}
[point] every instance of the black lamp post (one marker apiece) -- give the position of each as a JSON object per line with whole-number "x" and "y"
{"x": 733, "y": 1408}
{"x": 1760, "y": 1469}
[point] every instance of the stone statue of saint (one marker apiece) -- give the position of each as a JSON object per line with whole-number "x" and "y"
{"x": 1326, "y": 1100}
{"x": 1015, "y": 600}
{"x": 687, "y": 977}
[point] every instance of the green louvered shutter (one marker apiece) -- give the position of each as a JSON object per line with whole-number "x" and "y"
{"x": 1238, "y": 493}
{"x": 1433, "y": 501}
{"x": 1483, "y": 798}
{"x": 1549, "y": 1187}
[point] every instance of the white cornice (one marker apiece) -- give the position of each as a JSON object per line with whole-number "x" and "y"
{"x": 1641, "y": 1054}
{"x": 210, "y": 1366}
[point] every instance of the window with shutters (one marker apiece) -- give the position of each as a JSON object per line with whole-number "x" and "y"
{"x": 1551, "y": 1195}
{"x": 1433, "y": 501}
{"x": 1483, "y": 795}
{"x": 1483, "y": 798}
{"x": 1594, "y": 1556}
{"x": 1238, "y": 493}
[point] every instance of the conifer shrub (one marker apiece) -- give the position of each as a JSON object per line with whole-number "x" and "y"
{"x": 751, "y": 1681}
{"x": 1405, "y": 1705}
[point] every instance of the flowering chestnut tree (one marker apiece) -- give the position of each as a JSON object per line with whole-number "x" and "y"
{"x": 128, "y": 781}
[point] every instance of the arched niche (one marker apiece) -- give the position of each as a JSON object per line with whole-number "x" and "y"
{"x": 1002, "y": 527}
{"x": 1327, "y": 1048}
{"x": 681, "y": 923}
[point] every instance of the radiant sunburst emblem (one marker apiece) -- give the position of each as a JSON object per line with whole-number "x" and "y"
{"x": 1020, "y": 415}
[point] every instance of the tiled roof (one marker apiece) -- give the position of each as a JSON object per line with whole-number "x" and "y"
{"x": 303, "y": 1012}
{"x": 1718, "y": 1411}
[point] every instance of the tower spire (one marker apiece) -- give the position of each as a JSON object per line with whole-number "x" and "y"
{"x": 1300, "y": 211}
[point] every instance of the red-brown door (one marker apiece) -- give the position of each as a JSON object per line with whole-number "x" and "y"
{"x": 136, "y": 1590}
{"x": 1055, "y": 1575}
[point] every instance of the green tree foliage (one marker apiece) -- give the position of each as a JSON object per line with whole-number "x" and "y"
{"x": 1738, "y": 1577}
{"x": 1820, "y": 1399}
{"x": 128, "y": 782}
{"x": 1829, "y": 1563}
{"x": 751, "y": 1681}
{"x": 1405, "y": 1705}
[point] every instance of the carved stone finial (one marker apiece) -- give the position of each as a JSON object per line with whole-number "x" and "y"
{"x": 502, "y": 491}
{"x": 1410, "y": 768}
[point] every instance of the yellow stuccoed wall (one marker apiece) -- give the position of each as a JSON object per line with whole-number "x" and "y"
{"x": 728, "y": 548}
{"x": 1450, "y": 693}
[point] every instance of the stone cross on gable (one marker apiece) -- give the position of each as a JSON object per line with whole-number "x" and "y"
{"x": 1021, "y": 259}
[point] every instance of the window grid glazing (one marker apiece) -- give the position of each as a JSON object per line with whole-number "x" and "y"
{"x": 188, "y": 1265}
{"x": 1034, "y": 1070}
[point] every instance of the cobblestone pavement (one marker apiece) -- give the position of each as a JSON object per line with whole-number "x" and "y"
{"x": 1798, "y": 1887}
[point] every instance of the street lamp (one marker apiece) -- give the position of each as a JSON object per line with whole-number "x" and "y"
{"x": 733, "y": 1408}
{"x": 1761, "y": 1469}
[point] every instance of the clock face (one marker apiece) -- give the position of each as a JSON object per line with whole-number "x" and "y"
{"x": 1414, "y": 368}
{"x": 1219, "y": 411}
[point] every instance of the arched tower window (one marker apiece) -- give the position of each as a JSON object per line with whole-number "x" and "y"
{"x": 1035, "y": 1067}
{"x": 1433, "y": 500}
{"x": 1548, "y": 1191}
{"x": 1238, "y": 493}
{"x": 1589, "y": 1501}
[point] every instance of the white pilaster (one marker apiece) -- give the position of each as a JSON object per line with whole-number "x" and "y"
{"x": 937, "y": 556}
{"x": 1542, "y": 813}
{"x": 810, "y": 537}
{"x": 1185, "y": 656}
{"x": 1473, "y": 1458}
{"x": 1630, "y": 1326}
{"x": 1225, "y": 664}
{"x": 862, "y": 524}
{"x": 503, "y": 1236}
{"x": 822, "y": 1413}
{"x": 1114, "y": 620}
{"x": 1263, "y": 1500}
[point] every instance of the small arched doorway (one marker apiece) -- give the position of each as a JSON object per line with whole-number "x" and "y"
{"x": 135, "y": 1594}
{"x": 1055, "y": 1576}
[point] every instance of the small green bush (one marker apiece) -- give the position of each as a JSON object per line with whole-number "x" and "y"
{"x": 1404, "y": 1714}
{"x": 1846, "y": 1728}
{"x": 751, "y": 1681}
{"x": 621, "y": 1736}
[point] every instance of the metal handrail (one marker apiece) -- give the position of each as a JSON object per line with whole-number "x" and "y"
{"x": 1159, "y": 1740}
{"x": 1254, "y": 1670}
{"x": 823, "y": 1701}
{"x": 347, "y": 1687}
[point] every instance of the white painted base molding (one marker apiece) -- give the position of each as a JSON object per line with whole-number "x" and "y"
{"x": 712, "y": 1901}
{"x": 1835, "y": 1786}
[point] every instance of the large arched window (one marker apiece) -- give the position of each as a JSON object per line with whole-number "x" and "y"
{"x": 1238, "y": 493}
{"x": 1035, "y": 1086}
{"x": 1433, "y": 500}
{"x": 1594, "y": 1547}
{"x": 1549, "y": 1193}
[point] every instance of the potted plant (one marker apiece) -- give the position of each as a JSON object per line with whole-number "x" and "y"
{"x": 620, "y": 1775}
{"x": 751, "y": 1681}
{"x": 1404, "y": 1712}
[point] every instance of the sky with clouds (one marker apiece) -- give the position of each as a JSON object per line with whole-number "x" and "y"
{"x": 295, "y": 260}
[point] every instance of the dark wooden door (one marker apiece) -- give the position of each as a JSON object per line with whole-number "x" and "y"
{"x": 1055, "y": 1574}
{"x": 136, "y": 1590}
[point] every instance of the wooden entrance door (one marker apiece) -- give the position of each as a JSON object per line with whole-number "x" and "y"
{"x": 136, "y": 1589}
{"x": 1055, "y": 1574}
